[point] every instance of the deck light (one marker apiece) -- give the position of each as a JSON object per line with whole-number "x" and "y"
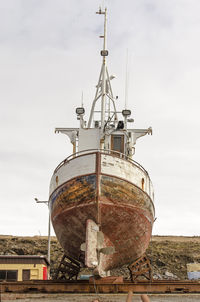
{"x": 80, "y": 110}
{"x": 126, "y": 112}
{"x": 104, "y": 53}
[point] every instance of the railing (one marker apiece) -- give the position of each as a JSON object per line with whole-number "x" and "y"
{"x": 102, "y": 151}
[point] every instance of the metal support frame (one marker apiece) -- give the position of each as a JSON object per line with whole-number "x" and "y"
{"x": 68, "y": 269}
{"x": 140, "y": 268}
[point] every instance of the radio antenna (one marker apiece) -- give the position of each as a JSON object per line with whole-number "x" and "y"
{"x": 103, "y": 4}
{"x": 126, "y": 79}
{"x": 82, "y": 99}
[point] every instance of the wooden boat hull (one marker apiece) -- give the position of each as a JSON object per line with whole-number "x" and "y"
{"x": 124, "y": 211}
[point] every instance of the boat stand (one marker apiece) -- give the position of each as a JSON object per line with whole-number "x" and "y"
{"x": 140, "y": 268}
{"x": 68, "y": 269}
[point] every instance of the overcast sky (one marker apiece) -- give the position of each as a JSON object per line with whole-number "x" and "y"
{"x": 49, "y": 54}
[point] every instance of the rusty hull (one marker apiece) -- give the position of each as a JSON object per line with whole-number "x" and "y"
{"x": 124, "y": 212}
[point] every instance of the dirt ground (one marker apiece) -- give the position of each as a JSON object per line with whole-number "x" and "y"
{"x": 168, "y": 254}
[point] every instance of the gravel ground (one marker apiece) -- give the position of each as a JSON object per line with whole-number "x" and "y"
{"x": 91, "y": 297}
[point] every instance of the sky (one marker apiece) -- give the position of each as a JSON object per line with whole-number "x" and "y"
{"x": 49, "y": 54}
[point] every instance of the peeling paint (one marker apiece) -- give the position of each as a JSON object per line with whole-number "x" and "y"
{"x": 124, "y": 211}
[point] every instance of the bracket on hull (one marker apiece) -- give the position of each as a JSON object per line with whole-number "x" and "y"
{"x": 140, "y": 268}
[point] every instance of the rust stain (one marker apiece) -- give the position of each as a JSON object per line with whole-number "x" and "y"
{"x": 78, "y": 191}
{"x": 57, "y": 180}
{"x": 116, "y": 190}
{"x": 128, "y": 230}
{"x": 124, "y": 210}
{"x": 142, "y": 183}
{"x": 71, "y": 205}
{"x": 98, "y": 171}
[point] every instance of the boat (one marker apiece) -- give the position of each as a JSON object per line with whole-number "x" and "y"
{"x": 101, "y": 200}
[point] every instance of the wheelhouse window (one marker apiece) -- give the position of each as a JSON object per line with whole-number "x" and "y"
{"x": 117, "y": 143}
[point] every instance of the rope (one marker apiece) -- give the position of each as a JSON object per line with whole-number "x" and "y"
{"x": 95, "y": 288}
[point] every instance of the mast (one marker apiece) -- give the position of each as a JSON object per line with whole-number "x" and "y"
{"x": 104, "y": 90}
{"x": 107, "y": 124}
{"x": 103, "y": 53}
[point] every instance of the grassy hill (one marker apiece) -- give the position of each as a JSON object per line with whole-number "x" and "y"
{"x": 168, "y": 254}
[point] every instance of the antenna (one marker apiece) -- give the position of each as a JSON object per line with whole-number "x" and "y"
{"x": 82, "y": 99}
{"x": 104, "y": 53}
{"x": 126, "y": 79}
{"x": 103, "y": 4}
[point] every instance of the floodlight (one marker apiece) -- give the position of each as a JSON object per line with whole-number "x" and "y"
{"x": 126, "y": 112}
{"x": 80, "y": 110}
{"x": 104, "y": 53}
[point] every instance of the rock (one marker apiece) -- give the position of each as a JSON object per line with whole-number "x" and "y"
{"x": 170, "y": 275}
{"x": 160, "y": 263}
{"x": 19, "y": 251}
{"x": 157, "y": 276}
